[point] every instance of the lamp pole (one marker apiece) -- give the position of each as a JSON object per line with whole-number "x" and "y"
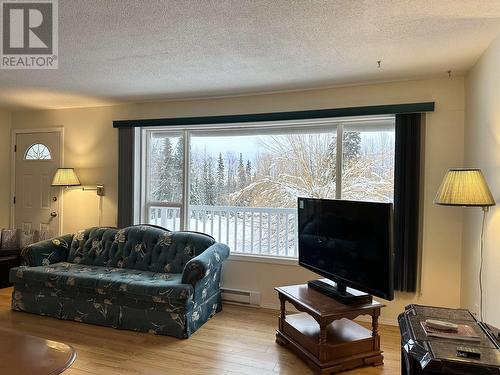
{"x": 481, "y": 247}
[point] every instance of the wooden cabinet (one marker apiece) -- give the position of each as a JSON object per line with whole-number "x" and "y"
{"x": 324, "y": 333}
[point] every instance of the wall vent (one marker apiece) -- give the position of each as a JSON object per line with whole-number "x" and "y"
{"x": 245, "y": 297}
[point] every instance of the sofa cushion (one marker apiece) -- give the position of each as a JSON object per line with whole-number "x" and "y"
{"x": 107, "y": 281}
{"x": 139, "y": 247}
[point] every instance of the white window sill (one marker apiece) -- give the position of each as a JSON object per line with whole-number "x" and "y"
{"x": 263, "y": 259}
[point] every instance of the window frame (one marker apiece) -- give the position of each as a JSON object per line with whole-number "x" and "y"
{"x": 187, "y": 131}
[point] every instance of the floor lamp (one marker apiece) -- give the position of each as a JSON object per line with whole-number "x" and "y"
{"x": 467, "y": 187}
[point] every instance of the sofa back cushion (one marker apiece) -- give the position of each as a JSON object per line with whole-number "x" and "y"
{"x": 140, "y": 247}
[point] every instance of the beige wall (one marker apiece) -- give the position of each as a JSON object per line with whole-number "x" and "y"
{"x": 482, "y": 149}
{"x": 4, "y": 168}
{"x": 91, "y": 147}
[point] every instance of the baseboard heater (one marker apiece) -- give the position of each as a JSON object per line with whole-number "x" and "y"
{"x": 244, "y": 297}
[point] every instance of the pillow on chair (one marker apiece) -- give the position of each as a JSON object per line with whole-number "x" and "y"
{"x": 10, "y": 239}
{"x": 16, "y": 239}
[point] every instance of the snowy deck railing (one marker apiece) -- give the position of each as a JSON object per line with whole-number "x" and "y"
{"x": 246, "y": 230}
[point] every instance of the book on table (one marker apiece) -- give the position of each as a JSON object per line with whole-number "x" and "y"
{"x": 464, "y": 332}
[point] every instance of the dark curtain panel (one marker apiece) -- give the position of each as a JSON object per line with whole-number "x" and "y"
{"x": 406, "y": 201}
{"x": 125, "y": 177}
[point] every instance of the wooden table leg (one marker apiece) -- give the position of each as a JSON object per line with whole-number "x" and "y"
{"x": 322, "y": 334}
{"x": 279, "y": 333}
{"x": 282, "y": 311}
{"x": 375, "y": 335}
{"x": 375, "y": 324}
{"x": 322, "y": 341}
{"x": 282, "y": 307}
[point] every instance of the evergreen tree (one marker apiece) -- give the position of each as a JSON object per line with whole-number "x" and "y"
{"x": 177, "y": 171}
{"x": 248, "y": 172}
{"x": 204, "y": 177}
{"x": 165, "y": 174}
{"x": 351, "y": 147}
{"x": 231, "y": 161}
{"x": 194, "y": 195}
{"x": 195, "y": 188}
{"x": 331, "y": 159}
{"x": 229, "y": 181}
{"x": 220, "y": 180}
{"x": 154, "y": 171}
{"x": 241, "y": 173}
{"x": 179, "y": 155}
{"x": 210, "y": 187}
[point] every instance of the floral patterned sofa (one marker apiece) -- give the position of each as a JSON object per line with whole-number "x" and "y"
{"x": 142, "y": 278}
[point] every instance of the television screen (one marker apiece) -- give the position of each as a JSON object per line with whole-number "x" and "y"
{"x": 349, "y": 242}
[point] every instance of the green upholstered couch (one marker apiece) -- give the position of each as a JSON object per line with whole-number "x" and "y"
{"x": 142, "y": 278}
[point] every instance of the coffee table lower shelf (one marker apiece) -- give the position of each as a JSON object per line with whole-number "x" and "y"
{"x": 348, "y": 345}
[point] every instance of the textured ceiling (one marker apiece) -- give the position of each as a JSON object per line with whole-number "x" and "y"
{"x": 131, "y": 50}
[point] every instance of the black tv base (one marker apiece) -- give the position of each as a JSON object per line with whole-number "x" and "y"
{"x": 339, "y": 292}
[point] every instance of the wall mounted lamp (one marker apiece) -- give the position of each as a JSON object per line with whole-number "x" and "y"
{"x": 67, "y": 178}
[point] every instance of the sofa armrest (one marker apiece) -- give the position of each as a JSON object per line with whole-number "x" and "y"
{"x": 47, "y": 252}
{"x": 201, "y": 266}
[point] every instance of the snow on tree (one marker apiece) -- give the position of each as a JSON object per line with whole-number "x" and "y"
{"x": 286, "y": 166}
{"x": 196, "y": 188}
{"x": 242, "y": 181}
{"x": 248, "y": 171}
{"x": 231, "y": 161}
{"x": 305, "y": 165}
{"x": 177, "y": 171}
{"x": 300, "y": 166}
{"x": 162, "y": 170}
{"x": 221, "y": 188}
{"x": 210, "y": 186}
{"x": 351, "y": 146}
{"x": 364, "y": 180}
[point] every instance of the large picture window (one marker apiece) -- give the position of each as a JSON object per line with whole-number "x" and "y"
{"x": 240, "y": 183}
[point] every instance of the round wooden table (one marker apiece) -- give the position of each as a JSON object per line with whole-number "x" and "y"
{"x": 22, "y": 354}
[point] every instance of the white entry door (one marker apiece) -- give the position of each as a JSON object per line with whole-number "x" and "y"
{"x": 38, "y": 155}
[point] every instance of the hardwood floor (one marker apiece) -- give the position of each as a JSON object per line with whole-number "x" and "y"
{"x": 239, "y": 340}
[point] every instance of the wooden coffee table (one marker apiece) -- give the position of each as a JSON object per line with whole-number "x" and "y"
{"x": 22, "y": 354}
{"x": 324, "y": 334}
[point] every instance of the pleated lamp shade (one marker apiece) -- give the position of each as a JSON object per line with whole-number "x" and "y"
{"x": 65, "y": 177}
{"x": 464, "y": 187}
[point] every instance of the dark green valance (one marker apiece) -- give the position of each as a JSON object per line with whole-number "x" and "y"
{"x": 390, "y": 109}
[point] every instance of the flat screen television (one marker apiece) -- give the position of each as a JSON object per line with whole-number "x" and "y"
{"x": 349, "y": 242}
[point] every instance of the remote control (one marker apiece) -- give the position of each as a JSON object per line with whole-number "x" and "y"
{"x": 468, "y": 352}
{"x": 439, "y": 324}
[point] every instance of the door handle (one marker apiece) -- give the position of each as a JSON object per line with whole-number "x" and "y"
{"x": 53, "y": 214}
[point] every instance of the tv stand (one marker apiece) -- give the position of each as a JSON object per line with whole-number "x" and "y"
{"x": 324, "y": 334}
{"x": 340, "y": 292}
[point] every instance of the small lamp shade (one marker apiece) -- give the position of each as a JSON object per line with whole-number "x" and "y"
{"x": 464, "y": 187}
{"x": 65, "y": 177}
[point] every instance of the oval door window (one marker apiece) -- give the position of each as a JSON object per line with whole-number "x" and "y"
{"x": 37, "y": 151}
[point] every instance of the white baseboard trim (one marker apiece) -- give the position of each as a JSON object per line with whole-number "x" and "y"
{"x": 224, "y": 302}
